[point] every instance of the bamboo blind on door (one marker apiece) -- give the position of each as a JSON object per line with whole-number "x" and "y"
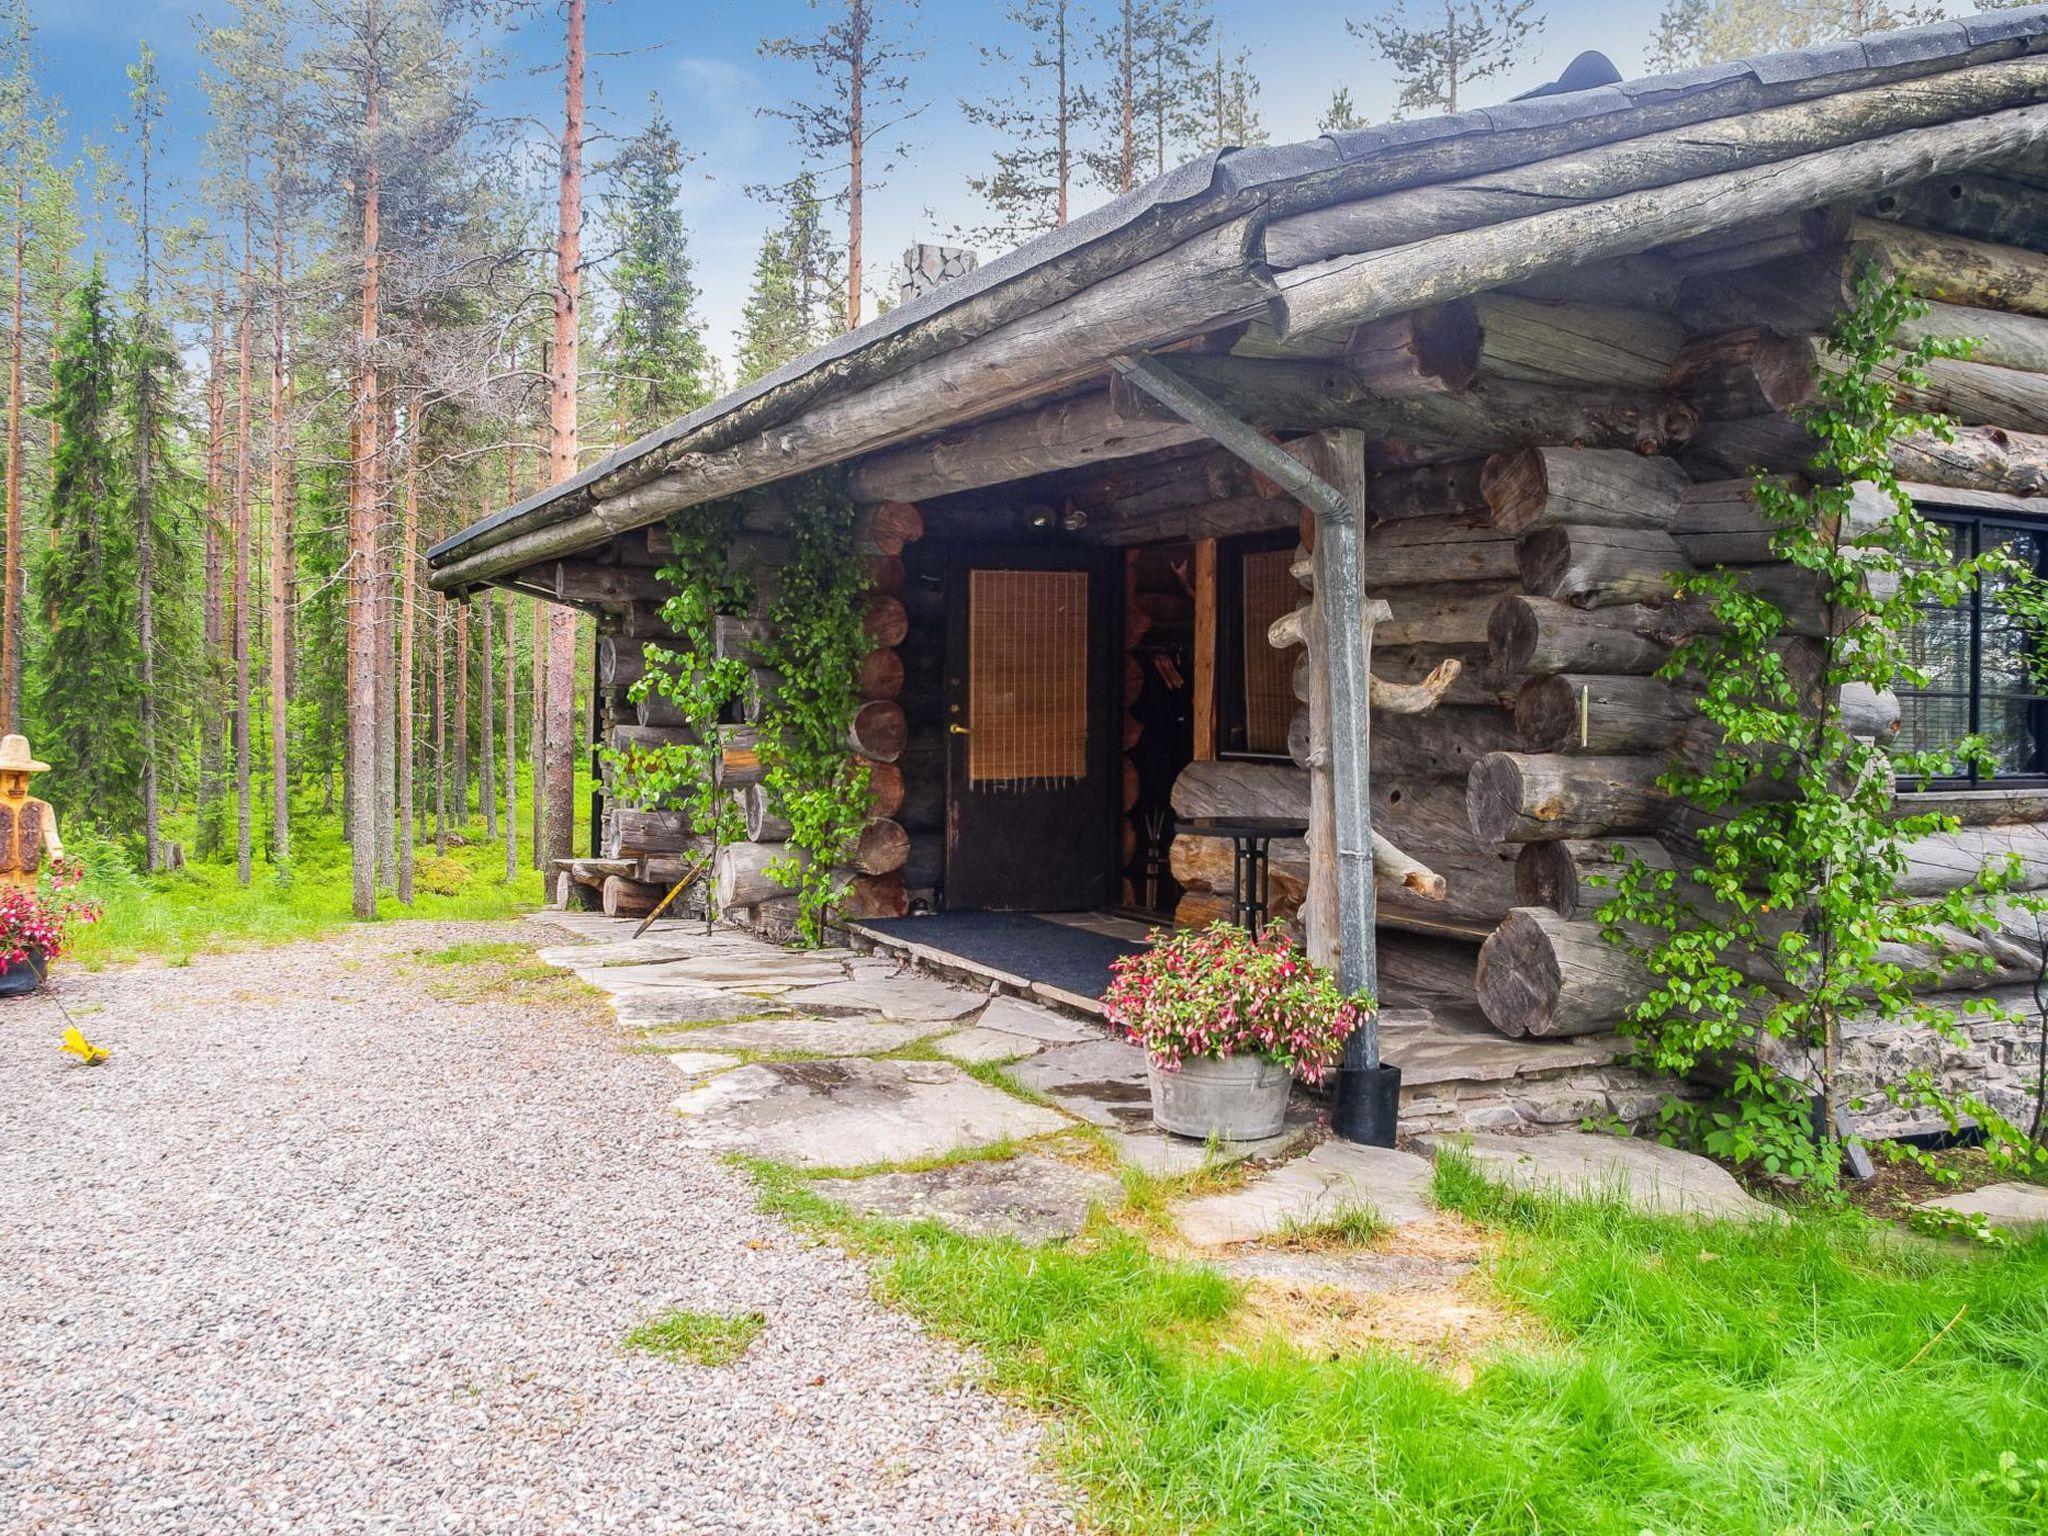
{"x": 1269, "y": 590}
{"x": 1027, "y": 678}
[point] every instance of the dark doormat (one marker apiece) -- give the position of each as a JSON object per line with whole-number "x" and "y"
{"x": 1072, "y": 959}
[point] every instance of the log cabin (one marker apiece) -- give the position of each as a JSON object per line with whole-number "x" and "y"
{"x": 1344, "y": 482}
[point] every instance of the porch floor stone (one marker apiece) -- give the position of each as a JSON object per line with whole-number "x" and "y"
{"x": 1641, "y": 1173}
{"x": 1032, "y": 1198}
{"x": 901, "y": 996}
{"x": 1331, "y": 1181}
{"x": 1163, "y": 1155}
{"x": 2016, "y": 1207}
{"x": 853, "y": 1112}
{"x": 1015, "y": 1017}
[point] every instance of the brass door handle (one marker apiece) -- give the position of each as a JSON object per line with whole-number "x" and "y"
{"x": 958, "y": 729}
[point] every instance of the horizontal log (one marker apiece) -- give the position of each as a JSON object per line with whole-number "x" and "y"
{"x": 1956, "y": 270}
{"x": 1548, "y": 487}
{"x": 1434, "y": 490}
{"x": 626, "y": 897}
{"x": 1456, "y": 617}
{"x": 654, "y": 709}
{"x": 879, "y": 731}
{"x": 1595, "y": 567}
{"x": 1749, "y": 372}
{"x": 1227, "y": 787}
{"x": 764, "y": 820}
{"x": 888, "y": 526}
{"x": 1068, "y": 434}
{"x": 1356, "y": 288}
{"x": 738, "y": 762}
{"x": 668, "y": 869}
{"x": 1523, "y": 797}
{"x": 592, "y": 872}
{"x": 886, "y": 620}
{"x": 1021, "y": 355}
{"x": 1495, "y": 415}
{"x": 1545, "y": 342}
{"x": 741, "y": 875}
{"x": 1577, "y": 712}
{"x": 1804, "y": 296}
{"x": 880, "y": 847}
{"x": 1977, "y": 807}
{"x": 739, "y": 639}
{"x": 1443, "y": 744}
{"x": 872, "y": 896}
{"x": 885, "y": 789}
{"x": 1979, "y": 206}
{"x": 1575, "y": 877}
{"x": 628, "y": 739}
{"x": 621, "y": 661}
{"x": 636, "y": 833}
{"x": 1537, "y": 636}
{"x": 1541, "y": 975}
{"x": 1948, "y": 861}
{"x": 611, "y": 586}
{"x": 1422, "y": 352}
{"x": 879, "y": 675}
{"x": 1727, "y": 142}
{"x": 1431, "y": 552}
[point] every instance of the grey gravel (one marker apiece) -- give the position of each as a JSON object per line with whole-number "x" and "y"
{"x": 318, "y": 1252}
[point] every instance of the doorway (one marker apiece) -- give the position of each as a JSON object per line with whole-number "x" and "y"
{"x": 1031, "y": 746}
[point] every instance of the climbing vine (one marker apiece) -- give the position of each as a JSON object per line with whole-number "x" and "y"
{"x": 1785, "y": 926}
{"x": 813, "y": 649}
{"x": 692, "y": 676}
{"x": 816, "y": 640}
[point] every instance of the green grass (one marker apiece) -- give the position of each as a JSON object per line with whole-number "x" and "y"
{"x": 204, "y": 907}
{"x": 1712, "y": 1379}
{"x": 708, "y": 1338}
{"x": 1350, "y": 1226}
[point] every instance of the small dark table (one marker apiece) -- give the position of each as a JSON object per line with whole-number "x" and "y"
{"x": 1252, "y": 874}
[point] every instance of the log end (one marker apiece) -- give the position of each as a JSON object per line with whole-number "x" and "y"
{"x": 1518, "y": 977}
{"x": 1493, "y": 796}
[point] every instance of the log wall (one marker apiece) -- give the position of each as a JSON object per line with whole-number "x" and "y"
{"x": 1559, "y": 762}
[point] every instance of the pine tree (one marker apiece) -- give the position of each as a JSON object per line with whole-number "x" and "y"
{"x": 1230, "y": 115}
{"x": 89, "y": 696}
{"x": 660, "y": 366}
{"x": 1027, "y": 187}
{"x": 862, "y": 66}
{"x": 1151, "y": 88}
{"x": 149, "y": 356}
{"x": 1435, "y": 57}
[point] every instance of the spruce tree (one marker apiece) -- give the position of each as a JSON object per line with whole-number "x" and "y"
{"x": 789, "y": 306}
{"x": 1342, "y": 114}
{"x": 89, "y": 692}
{"x": 661, "y": 367}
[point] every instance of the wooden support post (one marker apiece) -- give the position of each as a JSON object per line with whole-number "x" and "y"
{"x": 1205, "y": 650}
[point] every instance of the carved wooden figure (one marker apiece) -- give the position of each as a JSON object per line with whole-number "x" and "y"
{"x": 28, "y": 826}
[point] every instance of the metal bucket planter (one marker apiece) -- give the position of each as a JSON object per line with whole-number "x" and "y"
{"x": 21, "y": 979}
{"x": 1239, "y": 1098}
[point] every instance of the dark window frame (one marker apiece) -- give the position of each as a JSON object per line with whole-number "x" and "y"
{"x": 1228, "y": 661}
{"x": 1975, "y": 521}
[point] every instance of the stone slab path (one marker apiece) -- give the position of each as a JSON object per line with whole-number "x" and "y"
{"x": 1640, "y": 1173}
{"x": 1335, "y": 1180}
{"x": 318, "y": 1251}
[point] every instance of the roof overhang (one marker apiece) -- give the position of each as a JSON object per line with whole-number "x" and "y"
{"x": 1334, "y": 231}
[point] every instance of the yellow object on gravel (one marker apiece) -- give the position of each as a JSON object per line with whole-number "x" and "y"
{"x": 76, "y": 1043}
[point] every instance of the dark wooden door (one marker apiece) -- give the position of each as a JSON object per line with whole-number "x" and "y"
{"x": 1031, "y": 650}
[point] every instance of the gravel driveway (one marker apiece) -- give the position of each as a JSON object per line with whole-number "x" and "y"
{"x": 316, "y": 1251}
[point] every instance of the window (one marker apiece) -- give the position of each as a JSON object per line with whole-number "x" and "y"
{"x": 1254, "y": 679}
{"x": 1980, "y": 664}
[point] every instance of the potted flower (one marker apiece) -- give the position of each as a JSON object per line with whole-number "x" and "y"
{"x": 1227, "y": 1022}
{"x": 33, "y": 928}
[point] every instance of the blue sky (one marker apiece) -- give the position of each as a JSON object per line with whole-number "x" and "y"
{"x": 701, "y": 59}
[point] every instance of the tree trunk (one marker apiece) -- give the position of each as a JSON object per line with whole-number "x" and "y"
{"x": 559, "y": 766}
{"x": 1597, "y": 567}
{"x": 511, "y": 736}
{"x": 363, "y": 515}
{"x": 1536, "y": 636}
{"x": 213, "y": 702}
{"x": 1547, "y": 487}
{"x": 16, "y": 570}
{"x": 283, "y": 517}
{"x": 243, "y": 809}
{"x": 402, "y": 750}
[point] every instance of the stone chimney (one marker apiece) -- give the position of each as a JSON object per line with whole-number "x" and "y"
{"x": 926, "y": 266}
